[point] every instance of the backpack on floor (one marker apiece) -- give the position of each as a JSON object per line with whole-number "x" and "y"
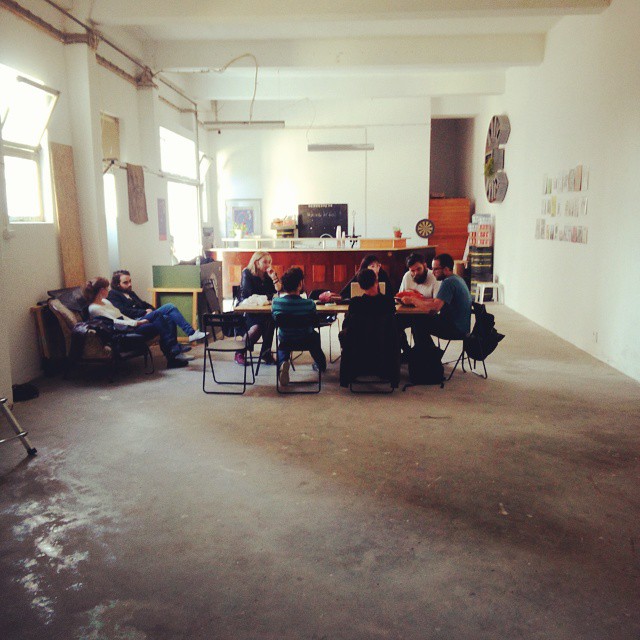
{"x": 425, "y": 365}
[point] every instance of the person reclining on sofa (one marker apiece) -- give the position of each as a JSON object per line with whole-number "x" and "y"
{"x": 154, "y": 324}
{"x": 123, "y": 297}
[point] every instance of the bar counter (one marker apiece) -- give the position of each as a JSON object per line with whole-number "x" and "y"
{"x": 324, "y": 268}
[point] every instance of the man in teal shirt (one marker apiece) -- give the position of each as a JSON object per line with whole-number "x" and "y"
{"x": 452, "y": 303}
{"x": 291, "y": 339}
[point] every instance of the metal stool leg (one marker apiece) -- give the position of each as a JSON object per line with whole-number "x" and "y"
{"x": 20, "y": 434}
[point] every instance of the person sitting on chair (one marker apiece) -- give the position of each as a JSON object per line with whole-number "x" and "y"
{"x": 293, "y": 304}
{"x": 96, "y": 290}
{"x": 371, "y": 300}
{"x": 124, "y": 298}
{"x": 369, "y": 262}
{"x": 259, "y": 278}
{"x": 369, "y": 336}
{"x": 450, "y": 310}
{"x": 417, "y": 283}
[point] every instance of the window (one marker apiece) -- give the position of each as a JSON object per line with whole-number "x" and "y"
{"x": 25, "y": 108}
{"x": 110, "y": 137}
{"x": 177, "y": 154}
{"x": 178, "y": 158}
{"x": 184, "y": 225}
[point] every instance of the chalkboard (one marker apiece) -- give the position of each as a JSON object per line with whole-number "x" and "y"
{"x": 315, "y": 220}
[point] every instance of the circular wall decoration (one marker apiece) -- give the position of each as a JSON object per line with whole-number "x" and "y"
{"x": 496, "y": 182}
{"x": 425, "y": 228}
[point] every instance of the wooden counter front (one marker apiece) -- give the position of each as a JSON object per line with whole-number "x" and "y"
{"x": 328, "y": 269}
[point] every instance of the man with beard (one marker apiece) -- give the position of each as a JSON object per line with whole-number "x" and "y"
{"x": 123, "y": 297}
{"x": 450, "y": 310}
{"x": 418, "y": 283}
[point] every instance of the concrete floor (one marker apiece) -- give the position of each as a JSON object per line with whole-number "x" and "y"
{"x": 499, "y": 508}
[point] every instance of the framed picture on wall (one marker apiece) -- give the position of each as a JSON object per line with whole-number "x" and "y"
{"x": 244, "y": 216}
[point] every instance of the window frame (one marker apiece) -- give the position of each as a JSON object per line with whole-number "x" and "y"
{"x": 17, "y": 149}
{"x": 10, "y": 150}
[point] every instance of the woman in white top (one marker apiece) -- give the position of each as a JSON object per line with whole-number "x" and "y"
{"x": 96, "y": 291}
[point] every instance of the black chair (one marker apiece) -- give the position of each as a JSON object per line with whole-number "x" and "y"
{"x": 228, "y": 335}
{"x": 370, "y": 353}
{"x": 286, "y": 321}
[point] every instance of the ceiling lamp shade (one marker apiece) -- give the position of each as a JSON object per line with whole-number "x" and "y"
{"x": 244, "y": 124}
{"x": 340, "y": 147}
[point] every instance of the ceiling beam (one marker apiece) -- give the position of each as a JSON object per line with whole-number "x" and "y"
{"x": 152, "y": 12}
{"x": 407, "y": 52}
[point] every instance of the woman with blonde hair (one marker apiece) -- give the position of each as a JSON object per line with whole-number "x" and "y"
{"x": 259, "y": 278}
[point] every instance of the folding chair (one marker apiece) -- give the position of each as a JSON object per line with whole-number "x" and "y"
{"x": 228, "y": 335}
{"x": 286, "y": 321}
{"x": 20, "y": 433}
{"x": 477, "y": 350}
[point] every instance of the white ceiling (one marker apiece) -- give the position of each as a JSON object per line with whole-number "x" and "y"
{"x": 320, "y": 49}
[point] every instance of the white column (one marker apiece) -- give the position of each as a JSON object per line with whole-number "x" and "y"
{"x": 84, "y": 105}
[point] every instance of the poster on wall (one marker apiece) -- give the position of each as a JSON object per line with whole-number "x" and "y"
{"x": 162, "y": 219}
{"x": 244, "y": 218}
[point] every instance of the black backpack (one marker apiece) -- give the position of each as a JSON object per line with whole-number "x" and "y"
{"x": 425, "y": 365}
{"x": 484, "y": 338}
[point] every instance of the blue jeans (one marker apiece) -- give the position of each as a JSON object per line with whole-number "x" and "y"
{"x": 173, "y": 315}
{"x": 310, "y": 343}
{"x": 160, "y": 325}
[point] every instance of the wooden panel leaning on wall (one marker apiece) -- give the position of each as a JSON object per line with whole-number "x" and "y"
{"x": 68, "y": 212}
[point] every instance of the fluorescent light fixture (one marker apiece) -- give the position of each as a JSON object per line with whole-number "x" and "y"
{"x": 244, "y": 124}
{"x": 340, "y": 147}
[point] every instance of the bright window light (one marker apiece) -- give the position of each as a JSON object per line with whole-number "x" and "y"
{"x": 177, "y": 154}
{"x": 25, "y": 108}
{"x": 184, "y": 225}
{"x": 111, "y": 215}
{"x": 23, "y": 188}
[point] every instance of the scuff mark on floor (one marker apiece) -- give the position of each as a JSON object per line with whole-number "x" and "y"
{"x": 54, "y": 530}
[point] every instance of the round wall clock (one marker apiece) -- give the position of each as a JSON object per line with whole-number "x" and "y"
{"x": 425, "y": 228}
{"x": 496, "y": 182}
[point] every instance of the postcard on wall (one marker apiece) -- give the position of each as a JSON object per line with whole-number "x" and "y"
{"x": 579, "y": 178}
{"x": 583, "y": 206}
{"x": 585, "y": 178}
{"x": 162, "y": 219}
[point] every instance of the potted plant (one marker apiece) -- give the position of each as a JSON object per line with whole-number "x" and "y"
{"x": 239, "y": 229}
{"x": 397, "y": 232}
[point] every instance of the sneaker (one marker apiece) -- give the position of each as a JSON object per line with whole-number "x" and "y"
{"x": 284, "y": 374}
{"x": 187, "y": 358}
{"x": 316, "y": 368}
{"x": 198, "y": 335}
{"x": 184, "y": 348}
{"x": 239, "y": 358}
{"x": 177, "y": 363}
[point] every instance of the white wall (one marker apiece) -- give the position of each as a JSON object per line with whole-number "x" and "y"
{"x": 385, "y": 187}
{"x": 31, "y": 258}
{"x": 580, "y": 106}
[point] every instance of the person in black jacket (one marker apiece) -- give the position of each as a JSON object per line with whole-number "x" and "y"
{"x": 370, "y": 262}
{"x": 259, "y": 278}
{"x": 369, "y": 336}
{"x": 123, "y": 297}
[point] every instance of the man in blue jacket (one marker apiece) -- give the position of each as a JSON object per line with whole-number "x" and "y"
{"x": 123, "y": 297}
